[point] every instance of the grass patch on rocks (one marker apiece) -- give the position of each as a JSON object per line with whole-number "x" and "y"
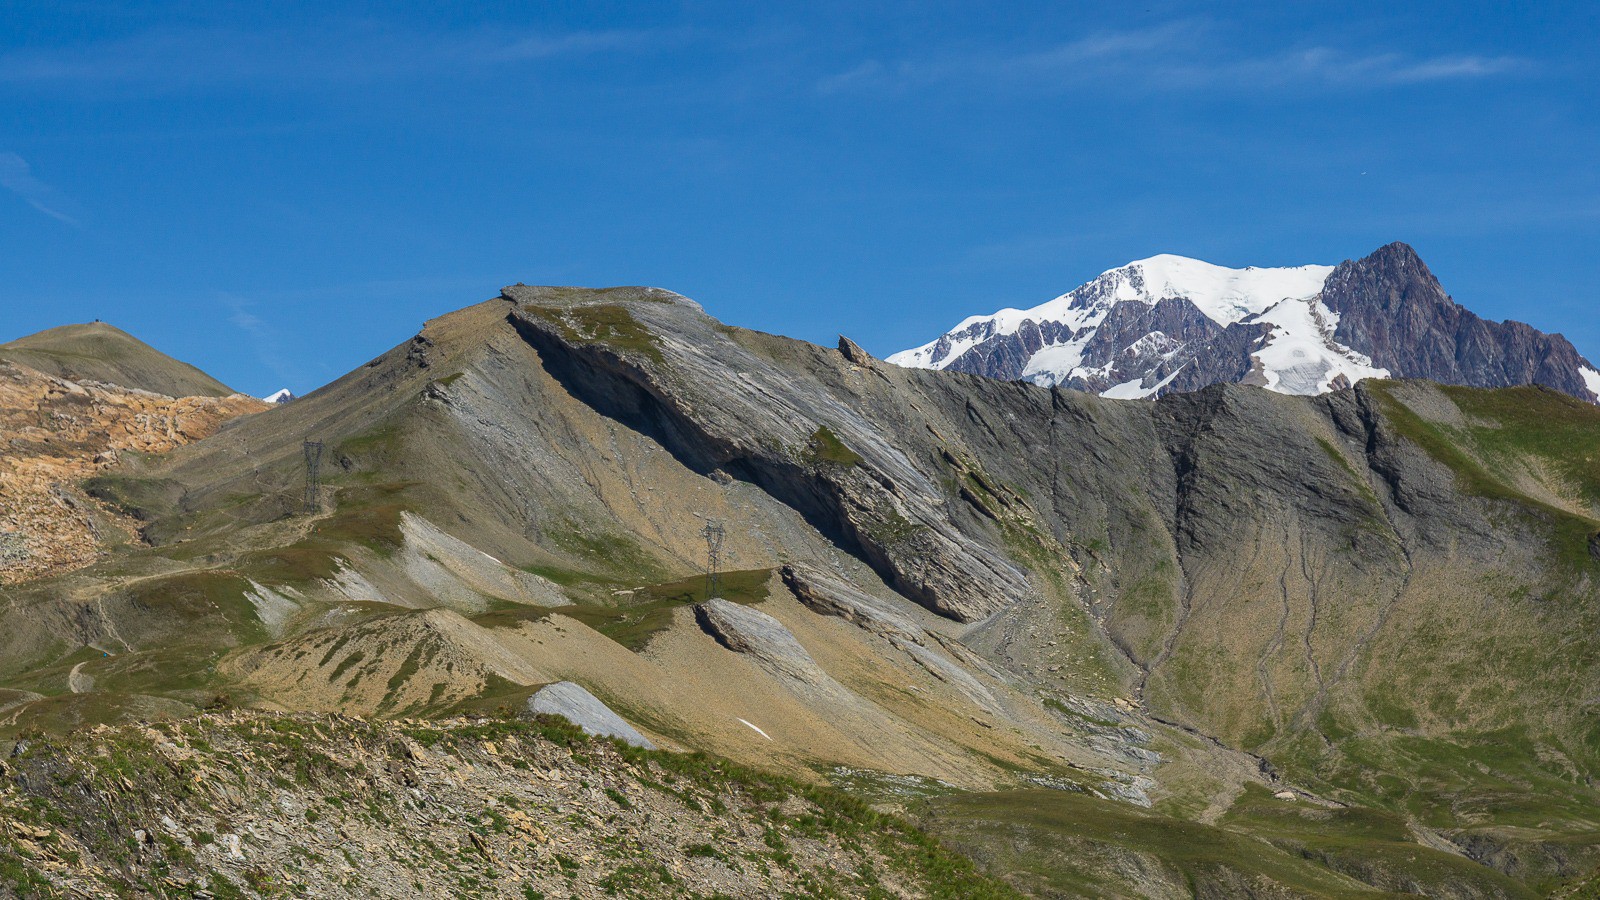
{"x": 639, "y": 615}
{"x": 608, "y": 324}
{"x": 825, "y": 448}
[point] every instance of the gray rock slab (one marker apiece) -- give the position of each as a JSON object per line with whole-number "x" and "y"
{"x": 830, "y": 596}
{"x": 760, "y": 636}
{"x": 585, "y": 710}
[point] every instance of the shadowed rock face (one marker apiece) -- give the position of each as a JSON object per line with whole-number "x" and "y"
{"x": 720, "y": 407}
{"x": 835, "y": 597}
{"x": 1393, "y": 309}
{"x": 1170, "y": 343}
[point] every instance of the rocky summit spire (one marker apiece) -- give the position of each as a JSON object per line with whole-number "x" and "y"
{"x": 1393, "y": 308}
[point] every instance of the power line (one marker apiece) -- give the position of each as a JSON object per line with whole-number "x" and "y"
{"x": 713, "y": 533}
{"x": 313, "y": 452}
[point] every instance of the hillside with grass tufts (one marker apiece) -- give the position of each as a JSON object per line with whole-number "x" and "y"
{"x": 263, "y": 805}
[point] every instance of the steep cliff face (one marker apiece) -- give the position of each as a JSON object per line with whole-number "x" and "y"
{"x": 726, "y": 408}
{"x": 1169, "y": 324}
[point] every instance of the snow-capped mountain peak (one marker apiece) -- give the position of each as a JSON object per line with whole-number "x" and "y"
{"x": 1172, "y": 323}
{"x": 1225, "y": 295}
{"x": 1062, "y": 340}
{"x": 283, "y": 395}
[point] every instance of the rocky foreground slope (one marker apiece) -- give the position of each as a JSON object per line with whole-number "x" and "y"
{"x": 1357, "y": 628}
{"x": 315, "y": 806}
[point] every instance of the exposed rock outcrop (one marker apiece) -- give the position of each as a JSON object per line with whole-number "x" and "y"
{"x": 57, "y": 432}
{"x": 832, "y": 596}
{"x": 1392, "y": 308}
{"x": 853, "y": 352}
{"x": 750, "y": 631}
{"x": 583, "y": 709}
{"x": 738, "y": 412}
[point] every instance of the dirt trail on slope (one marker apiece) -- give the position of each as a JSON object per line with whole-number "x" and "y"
{"x": 79, "y": 683}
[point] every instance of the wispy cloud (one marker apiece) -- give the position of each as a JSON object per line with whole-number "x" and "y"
{"x": 191, "y": 57}
{"x": 1070, "y": 59}
{"x": 17, "y": 177}
{"x": 267, "y": 343}
{"x": 1330, "y": 66}
{"x": 1180, "y": 55}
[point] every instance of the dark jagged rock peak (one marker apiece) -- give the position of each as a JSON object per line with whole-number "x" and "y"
{"x": 1393, "y": 309}
{"x": 852, "y": 351}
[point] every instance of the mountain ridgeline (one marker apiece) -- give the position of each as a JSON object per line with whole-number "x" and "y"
{"x": 1169, "y": 324}
{"x": 104, "y": 354}
{"x": 1231, "y": 642}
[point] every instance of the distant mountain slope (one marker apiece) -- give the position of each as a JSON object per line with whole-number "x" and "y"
{"x": 1168, "y": 323}
{"x": 100, "y": 352}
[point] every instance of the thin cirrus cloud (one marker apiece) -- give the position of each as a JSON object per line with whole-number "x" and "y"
{"x": 1174, "y": 56}
{"x": 1335, "y": 67}
{"x": 190, "y": 57}
{"x": 17, "y": 177}
{"x": 267, "y": 343}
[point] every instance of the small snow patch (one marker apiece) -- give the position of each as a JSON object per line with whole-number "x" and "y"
{"x": 755, "y": 729}
{"x": 1591, "y": 378}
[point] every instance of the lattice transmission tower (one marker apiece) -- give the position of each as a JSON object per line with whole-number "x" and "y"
{"x": 713, "y": 533}
{"x": 313, "y": 451}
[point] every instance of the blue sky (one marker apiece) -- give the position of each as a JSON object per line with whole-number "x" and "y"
{"x": 279, "y": 192}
